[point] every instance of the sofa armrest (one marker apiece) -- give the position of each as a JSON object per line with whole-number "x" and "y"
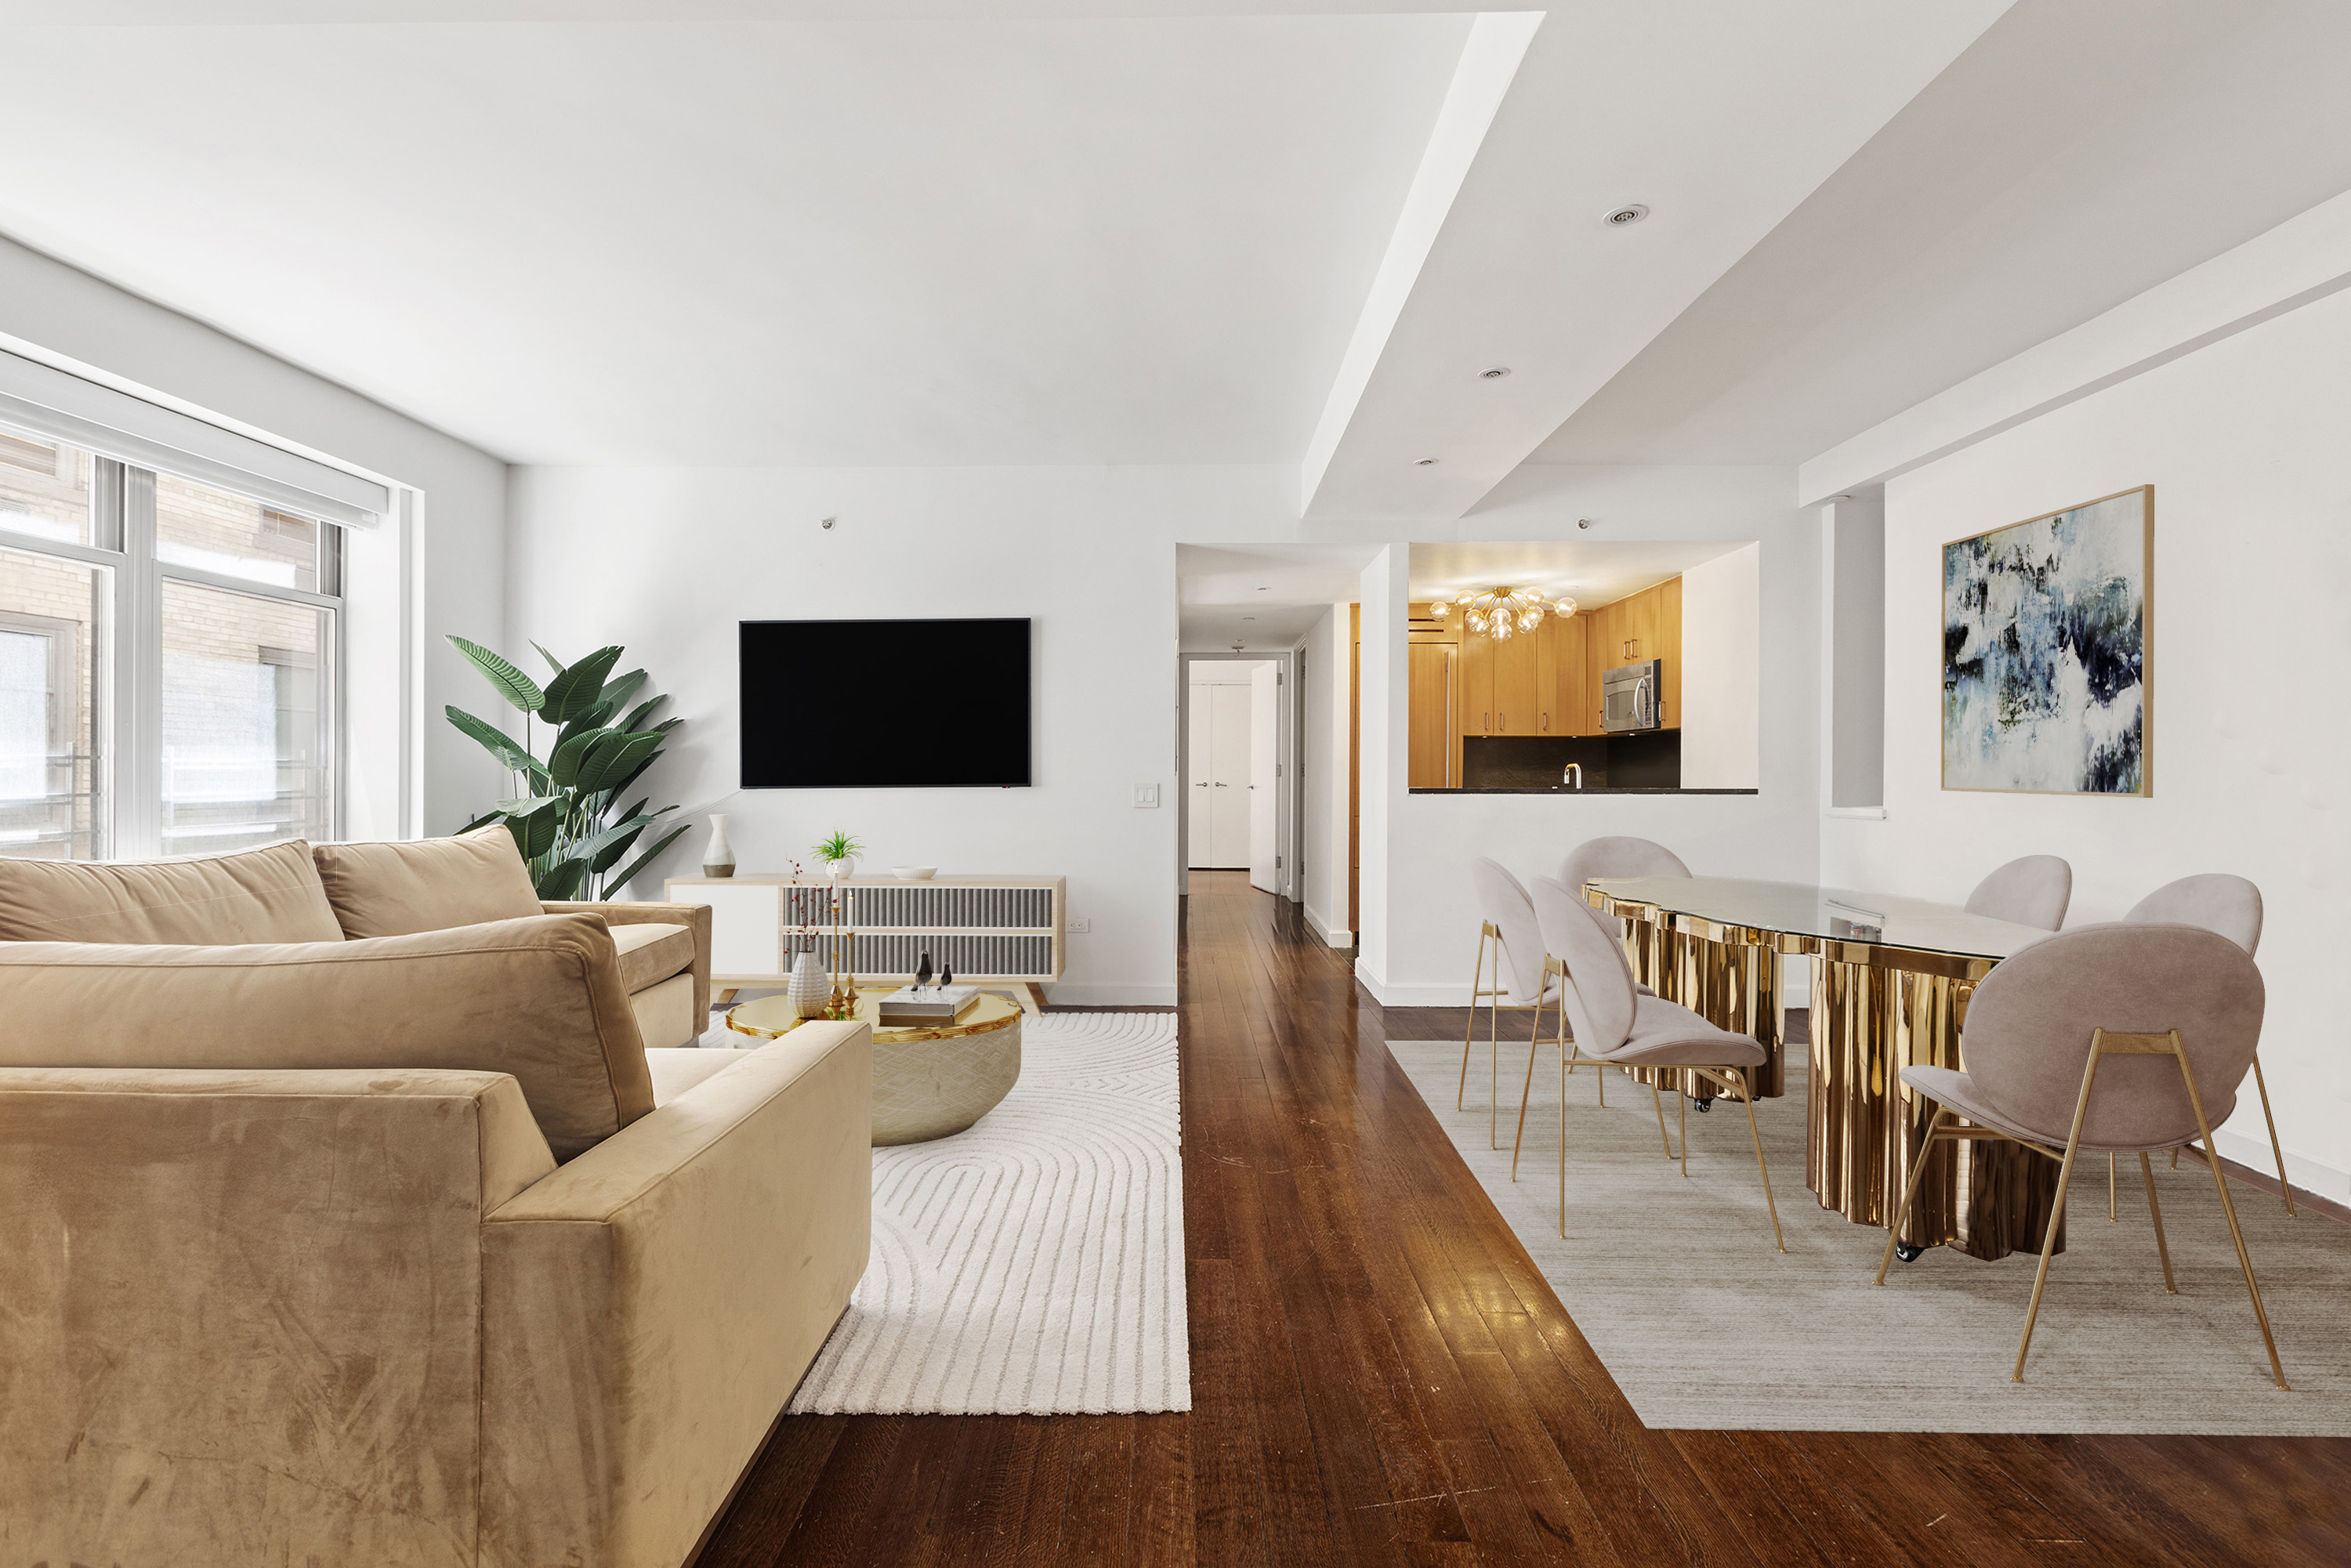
{"x": 695, "y": 917}
{"x": 648, "y": 1308}
{"x": 241, "y": 1309}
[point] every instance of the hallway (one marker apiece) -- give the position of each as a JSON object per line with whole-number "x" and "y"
{"x": 1380, "y": 1376}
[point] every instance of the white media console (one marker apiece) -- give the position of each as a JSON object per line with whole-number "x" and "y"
{"x": 1004, "y": 933}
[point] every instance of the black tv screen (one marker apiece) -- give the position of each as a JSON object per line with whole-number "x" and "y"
{"x": 880, "y": 704}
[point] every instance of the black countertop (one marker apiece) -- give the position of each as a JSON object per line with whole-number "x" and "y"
{"x": 1566, "y": 789}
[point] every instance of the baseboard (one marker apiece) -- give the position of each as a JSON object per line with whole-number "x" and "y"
{"x": 1329, "y": 936}
{"x": 2312, "y": 1179}
{"x": 1109, "y": 994}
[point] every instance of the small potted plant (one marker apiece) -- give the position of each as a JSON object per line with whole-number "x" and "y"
{"x": 840, "y": 854}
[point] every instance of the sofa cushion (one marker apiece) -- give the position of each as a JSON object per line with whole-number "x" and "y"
{"x": 665, "y": 1015}
{"x": 269, "y": 895}
{"x": 539, "y": 999}
{"x": 651, "y": 952}
{"x": 676, "y": 1071}
{"x": 426, "y": 884}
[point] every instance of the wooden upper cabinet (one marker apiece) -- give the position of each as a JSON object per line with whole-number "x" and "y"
{"x": 1572, "y": 704}
{"x": 1669, "y": 649}
{"x": 1519, "y": 700}
{"x": 1474, "y": 714}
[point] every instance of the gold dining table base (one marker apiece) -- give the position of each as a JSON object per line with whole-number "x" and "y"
{"x": 1865, "y": 1126}
{"x": 1731, "y": 984}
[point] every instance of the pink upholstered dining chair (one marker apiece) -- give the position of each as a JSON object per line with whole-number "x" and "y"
{"x": 1507, "y": 929}
{"x": 1617, "y": 1025}
{"x": 2032, "y": 891}
{"x": 2231, "y": 906}
{"x": 2117, "y": 1038}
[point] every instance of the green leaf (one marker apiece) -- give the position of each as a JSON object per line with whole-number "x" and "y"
{"x": 650, "y": 758}
{"x": 554, "y": 663}
{"x": 563, "y": 762}
{"x": 512, "y": 684}
{"x": 535, "y": 834}
{"x": 589, "y": 848}
{"x": 615, "y": 760}
{"x": 575, "y": 691}
{"x": 495, "y": 741}
{"x": 563, "y": 879}
{"x": 641, "y": 805}
{"x": 482, "y": 821}
{"x": 529, "y": 805}
{"x": 638, "y": 714}
{"x": 596, "y": 716}
{"x": 616, "y": 882}
{"x": 621, "y": 688}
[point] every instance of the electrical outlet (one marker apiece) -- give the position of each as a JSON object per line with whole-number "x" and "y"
{"x": 1146, "y": 797}
{"x": 1079, "y": 924}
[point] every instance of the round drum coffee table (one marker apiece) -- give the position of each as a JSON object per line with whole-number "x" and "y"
{"x": 929, "y": 1079}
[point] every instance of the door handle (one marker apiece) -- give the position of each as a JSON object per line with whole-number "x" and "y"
{"x": 1220, "y": 786}
{"x": 1546, "y": 721}
{"x": 1505, "y": 724}
{"x": 1489, "y": 721}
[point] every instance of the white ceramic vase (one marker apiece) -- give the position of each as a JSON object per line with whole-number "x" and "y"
{"x": 810, "y": 987}
{"x": 842, "y": 869}
{"x": 719, "y": 856}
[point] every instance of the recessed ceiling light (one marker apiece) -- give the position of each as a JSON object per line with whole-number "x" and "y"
{"x": 1493, "y": 372}
{"x": 1426, "y": 463}
{"x": 1630, "y": 213}
{"x": 1267, "y": 590}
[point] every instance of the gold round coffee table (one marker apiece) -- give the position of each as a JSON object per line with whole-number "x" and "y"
{"x": 929, "y": 1079}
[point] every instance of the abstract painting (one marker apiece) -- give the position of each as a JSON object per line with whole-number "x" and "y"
{"x": 2046, "y": 665}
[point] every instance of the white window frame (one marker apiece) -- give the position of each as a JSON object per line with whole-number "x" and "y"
{"x": 130, "y": 698}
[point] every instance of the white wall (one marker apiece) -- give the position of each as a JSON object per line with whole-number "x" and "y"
{"x": 1424, "y": 898}
{"x": 667, "y": 561}
{"x": 458, "y": 560}
{"x": 2243, "y": 440}
{"x": 1324, "y": 762}
{"x": 1722, "y": 684}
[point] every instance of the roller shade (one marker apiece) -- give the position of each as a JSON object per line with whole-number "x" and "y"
{"x": 51, "y": 403}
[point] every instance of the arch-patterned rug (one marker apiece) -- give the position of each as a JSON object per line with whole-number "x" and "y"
{"x": 1033, "y": 1264}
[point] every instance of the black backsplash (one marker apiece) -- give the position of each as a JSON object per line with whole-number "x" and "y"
{"x": 1649, "y": 760}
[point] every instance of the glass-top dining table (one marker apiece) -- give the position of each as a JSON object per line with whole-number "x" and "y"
{"x": 1890, "y": 987}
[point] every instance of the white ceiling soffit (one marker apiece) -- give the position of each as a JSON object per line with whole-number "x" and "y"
{"x": 1271, "y": 574}
{"x": 806, "y": 242}
{"x": 244, "y": 13}
{"x": 1592, "y": 573}
{"x": 2076, "y": 155}
{"x": 1719, "y": 116}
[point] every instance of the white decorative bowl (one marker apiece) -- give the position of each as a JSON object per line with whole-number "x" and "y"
{"x": 914, "y": 873}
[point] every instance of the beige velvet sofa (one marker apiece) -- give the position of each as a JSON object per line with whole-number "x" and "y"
{"x": 290, "y": 1271}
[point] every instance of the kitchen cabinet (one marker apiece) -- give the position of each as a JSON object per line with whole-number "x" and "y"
{"x": 1524, "y": 680}
{"x": 1636, "y": 628}
{"x": 1474, "y": 714}
{"x": 1435, "y": 743}
{"x": 1571, "y": 711}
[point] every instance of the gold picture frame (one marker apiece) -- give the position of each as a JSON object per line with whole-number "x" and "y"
{"x": 2047, "y": 662}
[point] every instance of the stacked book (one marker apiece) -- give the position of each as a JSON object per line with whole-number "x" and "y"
{"x": 917, "y": 1005}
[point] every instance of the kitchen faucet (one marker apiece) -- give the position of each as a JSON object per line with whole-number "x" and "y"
{"x": 1574, "y": 776}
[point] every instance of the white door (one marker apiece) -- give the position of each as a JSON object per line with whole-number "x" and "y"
{"x": 1198, "y": 789}
{"x": 1229, "y": 778}
{"x": 1264, "y": 789}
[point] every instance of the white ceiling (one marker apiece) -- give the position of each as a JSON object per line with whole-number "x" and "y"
{"x": 990, "y": 232}
{"x": 1266, "y": 596}
{"x": 1593, "y": 574}
{"x": 819, "y": 243}
{"x": 2081, "y": 152}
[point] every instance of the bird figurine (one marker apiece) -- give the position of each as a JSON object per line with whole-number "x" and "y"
{"x": 947, "y": 976}
{"x": 922, "y": 972}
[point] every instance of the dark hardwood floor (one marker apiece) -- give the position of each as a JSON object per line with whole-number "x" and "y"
{"x": 1379, "y": 1376}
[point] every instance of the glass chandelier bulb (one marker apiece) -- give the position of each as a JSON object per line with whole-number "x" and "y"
{"x": 1501, "y": 629}
{"x": 1566, "y": 606}
{"x": 1529, "y": 619}
{"x": 1441, "y": 609}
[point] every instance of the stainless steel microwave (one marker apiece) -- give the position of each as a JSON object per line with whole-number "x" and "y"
{"x": 1628, "y": 697}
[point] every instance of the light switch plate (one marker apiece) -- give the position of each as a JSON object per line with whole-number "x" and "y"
{"x": 1146, "y": 796}
{"x": 1079, "y": 924}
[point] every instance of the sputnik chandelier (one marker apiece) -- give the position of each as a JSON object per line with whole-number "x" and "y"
{"x": 1498, "y": 613}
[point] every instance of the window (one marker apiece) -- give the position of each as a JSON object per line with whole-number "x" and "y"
{"x": 168, "y": 654}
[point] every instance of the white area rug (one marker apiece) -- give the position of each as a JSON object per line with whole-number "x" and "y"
{"x": 1704, "y": 1325}
{"x": 1033, "y": 1264}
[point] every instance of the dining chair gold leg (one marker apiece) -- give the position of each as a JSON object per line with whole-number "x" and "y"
{"x": 1477, "y": 975}
{"x": 1494, "y": 1062}
{"x": 1909, "y": 1191}
{"x": 1563, "y": 1149}
{"x": 2175, "y": 1159}
{"x": 2277, "y": 1150}
{"x": 2236, "y": 1234}
{"x": 1656, "y": 1100}
{"x": 1526, "y": 1093}
{"x": 2057, "y": 1211}
{"x": 2111, "y": 1215}
{"x": 1747, "y": 1094}
{"x": 2155, "y": 1211}
{"x": 1685, "y": 1115}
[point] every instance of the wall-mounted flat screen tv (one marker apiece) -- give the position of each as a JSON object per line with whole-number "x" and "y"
{"x": 885, "y": 705}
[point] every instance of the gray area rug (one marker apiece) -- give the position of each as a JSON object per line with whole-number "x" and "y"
{"x": 1703, "y": 1325}
{"x": 1032, "y": 1264}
